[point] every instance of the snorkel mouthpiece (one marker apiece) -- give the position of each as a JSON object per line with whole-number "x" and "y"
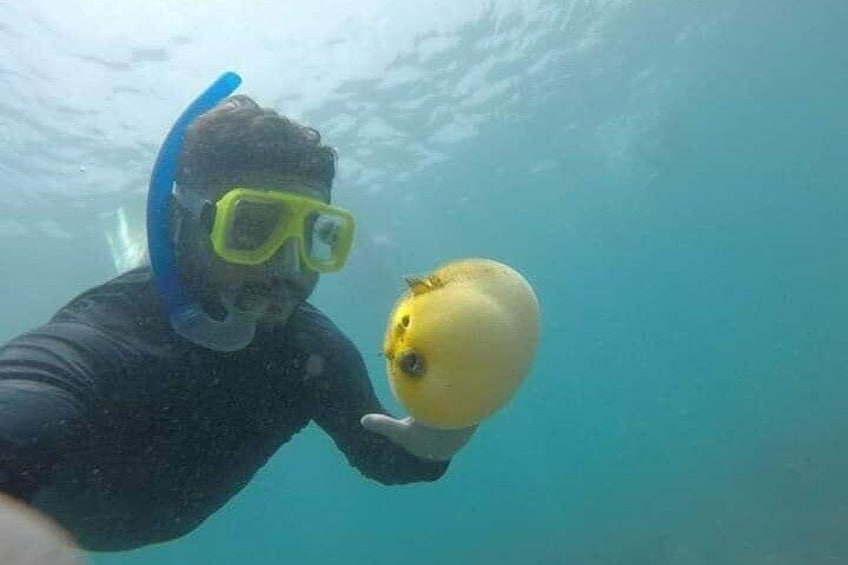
{"x": 186, "y": 317}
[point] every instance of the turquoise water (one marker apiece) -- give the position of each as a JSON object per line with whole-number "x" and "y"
{"x": 669, "y": 175}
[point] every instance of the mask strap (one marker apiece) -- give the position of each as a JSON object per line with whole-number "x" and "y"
{"x": 191, "y": 201}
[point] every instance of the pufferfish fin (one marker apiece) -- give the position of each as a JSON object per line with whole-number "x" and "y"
{"x": 420, "y": 285}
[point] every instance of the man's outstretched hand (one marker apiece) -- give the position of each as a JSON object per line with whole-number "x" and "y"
{"x": 419, "y": 440}
{"x": 27, "y": 537}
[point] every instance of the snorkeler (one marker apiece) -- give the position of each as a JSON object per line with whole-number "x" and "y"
{"x": 148, "y": 402}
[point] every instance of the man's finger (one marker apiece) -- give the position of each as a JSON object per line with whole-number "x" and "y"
{"x": 383, "y": 425}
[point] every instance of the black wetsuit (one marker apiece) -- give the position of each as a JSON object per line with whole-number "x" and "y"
{"x": 128, "y": 434}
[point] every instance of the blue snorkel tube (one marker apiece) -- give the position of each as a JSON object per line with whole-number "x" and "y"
{"x": 186, "y": 317}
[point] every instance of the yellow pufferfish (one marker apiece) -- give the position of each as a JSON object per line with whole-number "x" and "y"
{"x": 460, "y": 341}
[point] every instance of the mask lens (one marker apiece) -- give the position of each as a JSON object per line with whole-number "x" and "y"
{"x": 254, "y": 223}
{"x": 325, "y": 234}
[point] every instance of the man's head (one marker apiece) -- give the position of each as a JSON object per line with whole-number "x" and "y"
{"x": 240, "y": 145}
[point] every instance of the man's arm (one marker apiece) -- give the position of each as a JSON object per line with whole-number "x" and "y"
{"x": 343, "y": 395}
{"x": 46, "y": 384}
{"x": 35, "y": 419}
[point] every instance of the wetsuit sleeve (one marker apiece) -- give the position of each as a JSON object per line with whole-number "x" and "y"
{"x": 343, "y": 395}
{"x": 46, "y": 385}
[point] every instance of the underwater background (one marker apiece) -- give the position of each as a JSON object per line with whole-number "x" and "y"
{"x": 670, "y": 175}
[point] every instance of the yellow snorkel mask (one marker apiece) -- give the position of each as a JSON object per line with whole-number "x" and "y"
{"x": 248, "y": 226}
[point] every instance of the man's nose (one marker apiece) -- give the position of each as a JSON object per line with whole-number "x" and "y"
{"x": 286, "y": 260}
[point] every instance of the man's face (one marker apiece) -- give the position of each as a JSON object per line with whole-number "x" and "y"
{"x": 271, "y": 290}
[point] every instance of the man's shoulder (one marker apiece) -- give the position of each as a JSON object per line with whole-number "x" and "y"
{"x": 98, "y": 333}
{"x": 315, "y": 333}
{"x": 127, "y": 303}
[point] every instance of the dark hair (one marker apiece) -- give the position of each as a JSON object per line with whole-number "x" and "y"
{"x": 237, "y": 140}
